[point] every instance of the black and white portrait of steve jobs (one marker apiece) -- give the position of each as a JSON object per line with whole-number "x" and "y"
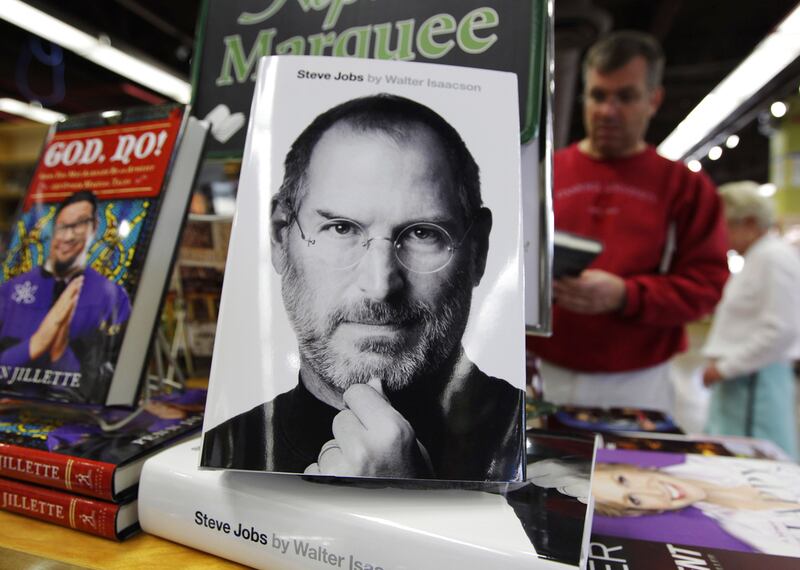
{"x": 379, "y": 236}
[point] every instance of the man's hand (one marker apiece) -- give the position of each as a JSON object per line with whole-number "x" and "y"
{"x": 594, "y": 292}
{"x": 372, "y": 439}
{"x": 711, "y": 375}
{"x": 57, "y": 317}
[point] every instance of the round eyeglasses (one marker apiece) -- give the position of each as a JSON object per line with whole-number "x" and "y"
{"x": 421, "y": 247}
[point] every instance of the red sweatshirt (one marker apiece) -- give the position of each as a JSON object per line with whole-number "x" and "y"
{"x": 629, "y": 204}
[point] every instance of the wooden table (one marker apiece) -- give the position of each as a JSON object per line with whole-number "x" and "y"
{"x": 25, "y": 543}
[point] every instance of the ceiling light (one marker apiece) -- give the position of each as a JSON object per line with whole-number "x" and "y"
{"x": 714, "y": 153}
{"x": 775, "y": 52}
{"x": 694, "y": 165}
{"x": 732, "y": 141}
{"x": 95, "y": 49}
{"x": 778, "y": 109}
{"x": 767, "y": 190}
{"x": 33, "y": 112}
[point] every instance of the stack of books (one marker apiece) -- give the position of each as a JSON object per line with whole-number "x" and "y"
{"x": 666, "y": 499}
{"x": 81, "y": 287}
{"x": 58, "y": 464}
{"x": 286, "y": 521}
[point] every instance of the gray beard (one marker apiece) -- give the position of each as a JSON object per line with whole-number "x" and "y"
{"x": 440, "y": 332}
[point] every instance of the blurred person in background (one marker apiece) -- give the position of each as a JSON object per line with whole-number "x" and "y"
{"x": 756, "y": 330}
{"x": 617, "y": 325}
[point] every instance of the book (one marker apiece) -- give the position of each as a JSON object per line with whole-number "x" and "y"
{"x": 201, "y": 288}
{"x": 611, "y": 420}
{"x": 700, "y": 503}
{"x": 725, "y": 446}
{"x": 573, "y": 253}
{"x": 507, "y": 35}
{"x": 65, "y": 450}
{"x": 90, "y": 255}
{"x": 392, "y": 277}
{"x": 615, "y": 553}
{"x": 101, "y": 518}
{"x": 204, "y": 242}
{"x": 280, "y": 521}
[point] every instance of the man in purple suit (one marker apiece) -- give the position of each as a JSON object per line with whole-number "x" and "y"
{"x": 61, "y": 323}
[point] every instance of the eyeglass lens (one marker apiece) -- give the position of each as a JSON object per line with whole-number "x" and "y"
{"x": 422, "y": 247}
{"x": 78, "y": 227}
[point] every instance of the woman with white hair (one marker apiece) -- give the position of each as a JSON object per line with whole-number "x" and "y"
{"x": 756, "y": 330}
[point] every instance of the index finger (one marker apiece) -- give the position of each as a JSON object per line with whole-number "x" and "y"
{"x": 369, "y": 406}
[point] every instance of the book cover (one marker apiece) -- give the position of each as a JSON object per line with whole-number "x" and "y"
{"x": 108, "y": 520}
{"x": 80, "y": 285}
{"x": 280, "y": 521}
{"x": 204, "y": 242}
{"x": 66, "y": 450}
{"x": 614, "y": 553}
{"x": 725, "y": 446}
{"x": 693, "y": 501}
{"x": 610, "y": 420}
{"x": 200, "y": 287}
{"x": 374, "y": 277}
{"x": 506, "y": 35}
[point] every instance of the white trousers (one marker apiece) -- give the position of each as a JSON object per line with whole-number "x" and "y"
{"x": 647, "y": 388}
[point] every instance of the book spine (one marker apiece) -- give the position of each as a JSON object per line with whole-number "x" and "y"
{"x": 72, "y": 511}
{"x": 58, "y": 471}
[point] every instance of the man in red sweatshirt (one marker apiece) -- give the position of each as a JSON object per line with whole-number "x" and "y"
{"x": 617, "y": 325}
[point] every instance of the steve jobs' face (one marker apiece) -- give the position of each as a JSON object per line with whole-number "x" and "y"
{"x": 377, "y": 262}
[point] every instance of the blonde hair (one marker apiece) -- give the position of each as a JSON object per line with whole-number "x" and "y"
{"x": 742, "y": 200}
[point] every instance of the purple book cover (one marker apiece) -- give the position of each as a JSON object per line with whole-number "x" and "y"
{"x": 744, "y": 505}
{"x": 165, "y": 418}
{"x": 75, "y": 266}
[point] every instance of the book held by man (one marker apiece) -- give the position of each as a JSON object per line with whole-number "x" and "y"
{"x": 371, "y": 321}
{"x": 90, "y": 253}
{"x": 573, "y": 253}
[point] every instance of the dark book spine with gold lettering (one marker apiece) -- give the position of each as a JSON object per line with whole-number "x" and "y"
{"x": 101, "y": 518}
